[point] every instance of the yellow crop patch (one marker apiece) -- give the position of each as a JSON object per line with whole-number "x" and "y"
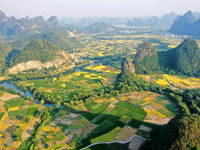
{"x": 93, "y": 74}
{"x": 13, "y": 108}
{"x": 66, "y": 78}
{"x": 1, "y": 124}
{"x": 162, "y": 82}
{"x": 147, "y": 99}
{"x": 5, "y": 117}
{"x": 98, "y": 67}
{"x": 94, "y": 78}
{"x": 172, "y": 46}
{"x": 195, "y": 79}
{"x": 77, "y": 73}
{"x": 87, "y": 76}
{"x": 155, "y": 113}
{"x": 47, "y": 129}
{"x": 100, "y": 77}
{"x": 112, "y": 99}
{"x": 49, "y": 91}
{"x": 57, "y": 129}
{"x": 99, "y": 101}
{"x": 63, "y": 84}
{"x": 54, "y": 79}
{"x": 29, "y": 84}
{"x": 6, "y": 126}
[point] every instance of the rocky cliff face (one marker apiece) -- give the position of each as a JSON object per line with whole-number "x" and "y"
{"x": 36, "y": 64}
{"x": 127, "y": 65}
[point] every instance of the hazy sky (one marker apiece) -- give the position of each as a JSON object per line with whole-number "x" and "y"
{"x": 85, "y": 8}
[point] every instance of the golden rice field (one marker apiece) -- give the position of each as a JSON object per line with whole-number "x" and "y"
{"x": 4, "y": 127}
{"x": 88, "y": 75}
{"x": 28, "y": 84}
{"x": 63, "y": 85}
{"x": 172, "y": 46}
{"x": 103, "y": 68}
{"x": 66, "y": 78}
{"x": 48, "y": 90}
{"x": 187, "y": 82}
{"x": 162, "y": 82}
{"x": 54, "y": 79}
{"x": 99, "y": 101}
{"x": 1, "y": 125}
{"x": 155, "y": 113}
{"x": 13, "y": 108}
{"x": 46, "y": 129}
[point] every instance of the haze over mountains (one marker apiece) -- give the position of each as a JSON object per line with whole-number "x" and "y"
{"x": 165, "y": 20}
{"x": 12, "y": 26}
{"x": 188, "y": 24}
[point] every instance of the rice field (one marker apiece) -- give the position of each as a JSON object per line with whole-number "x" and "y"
{"x": 162, "y": 82}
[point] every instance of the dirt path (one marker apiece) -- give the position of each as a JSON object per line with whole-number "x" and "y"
{"x": 115, "y": 141}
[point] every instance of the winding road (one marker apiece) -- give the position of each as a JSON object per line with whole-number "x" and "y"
{"x": 115, "y": 141}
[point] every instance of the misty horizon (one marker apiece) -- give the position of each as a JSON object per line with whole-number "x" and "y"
{"x": 87, "y": 8}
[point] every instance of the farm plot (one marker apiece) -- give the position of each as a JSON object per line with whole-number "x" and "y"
{"x": 16, "y": 102}
{"x": 91, "y": 115}
{"x": 188, "y": 83}
{"x": 110, "y": 136}
{"x": 8, "y": 96}
{"x": 125, "y": 134}
{"x": 103, "y": 68}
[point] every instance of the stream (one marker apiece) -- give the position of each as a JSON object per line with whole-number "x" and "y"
{"x": 10, "y": 83}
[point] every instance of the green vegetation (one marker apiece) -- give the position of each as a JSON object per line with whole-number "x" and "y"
{"x": 1, "y": 115}
{"x": 133, "y": 108}
{"x": 99, "y": 27}
{"x": 37, "y": 50}
{"x": 179, "y": 133}
{"x": 90, "y": 105}
{"x": 110, "y": 136}
{"x": 100, "y": 128}
{"x": 146, "y": 59}
{"x": 93, "y": 114}
{"x": 59, "y": 136}
{"x": 167, "y": 114}
{"x": 15, "y": 102}
{"x": 6, "y": 106}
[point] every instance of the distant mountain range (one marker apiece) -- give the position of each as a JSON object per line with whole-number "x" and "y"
{"x": 165, "y": 20}
{"x": 99, "y": 27}
{"x": 86, "y": 21}
{"x": 188, "y": 24}
{"x": 12, "y": 26}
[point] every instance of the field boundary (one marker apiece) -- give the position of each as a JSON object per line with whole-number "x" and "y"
{"x": 115, "y": 141}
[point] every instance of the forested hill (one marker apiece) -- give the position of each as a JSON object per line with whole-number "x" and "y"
{"x": 184, "y": 59}
{"x": 146, "y": 59}
{"x": 54, "y": 37}
{"x": 37, "y": 50}
{"x": 99, "y": 27}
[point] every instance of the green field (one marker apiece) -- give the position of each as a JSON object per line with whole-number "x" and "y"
{"x": 110, "y": 136}
{"x": 16, "y": 102}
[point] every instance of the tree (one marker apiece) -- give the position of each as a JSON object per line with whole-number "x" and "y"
{"x": 42, "y": 102}
{"x": 27, "y": 97}
{"x": 22, "y": 94}
{"x": 10, "y": 90}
